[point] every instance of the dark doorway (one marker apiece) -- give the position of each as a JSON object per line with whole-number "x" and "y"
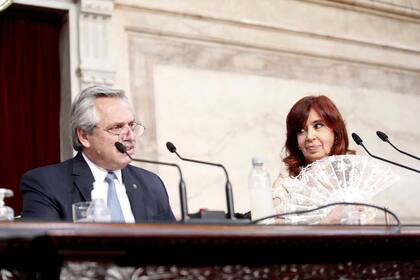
{"x": 29, "y": 93}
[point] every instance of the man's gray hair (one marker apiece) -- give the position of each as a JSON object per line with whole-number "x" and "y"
{"x": 83, "y": 111}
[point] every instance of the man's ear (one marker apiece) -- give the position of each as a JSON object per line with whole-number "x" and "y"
{"x": 83, "y": 137}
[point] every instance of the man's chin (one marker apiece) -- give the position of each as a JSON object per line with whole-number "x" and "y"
{"x": 123, "y": 163}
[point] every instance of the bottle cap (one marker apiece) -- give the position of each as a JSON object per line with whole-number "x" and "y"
{"x": 257, "y": 160}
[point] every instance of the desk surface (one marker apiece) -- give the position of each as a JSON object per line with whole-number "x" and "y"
{"x": 34, "y": 229}
{"x": 71, "y": 239}
{"x": 181, "y": 245}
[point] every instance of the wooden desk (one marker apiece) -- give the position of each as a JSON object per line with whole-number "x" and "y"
{"x": 213, "y": 251}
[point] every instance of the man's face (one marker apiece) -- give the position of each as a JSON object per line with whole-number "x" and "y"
{"x": 99, "y": 146}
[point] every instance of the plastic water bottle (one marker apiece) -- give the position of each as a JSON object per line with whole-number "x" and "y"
{"x": 260, "y": 191}
{"x": 98, "y": 210}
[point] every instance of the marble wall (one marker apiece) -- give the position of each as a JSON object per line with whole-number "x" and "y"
{"x": 217, "y": 78}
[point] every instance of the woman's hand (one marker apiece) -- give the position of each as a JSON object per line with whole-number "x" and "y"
{"x": 345, "y": 214}
{"x": 280, "y": 199}
{"x": 335, "y": 216}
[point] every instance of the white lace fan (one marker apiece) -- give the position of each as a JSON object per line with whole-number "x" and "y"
{"x": 343, "y": 178}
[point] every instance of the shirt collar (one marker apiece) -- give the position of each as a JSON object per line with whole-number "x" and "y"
{"x": 100, "y": 173}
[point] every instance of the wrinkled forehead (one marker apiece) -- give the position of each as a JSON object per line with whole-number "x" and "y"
{"x": 113, "y": 110}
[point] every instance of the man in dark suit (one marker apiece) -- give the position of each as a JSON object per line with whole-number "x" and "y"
{"x": 100, "y": 117}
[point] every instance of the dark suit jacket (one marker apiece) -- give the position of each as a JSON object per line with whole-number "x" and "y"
{"x": 48, "y": 192}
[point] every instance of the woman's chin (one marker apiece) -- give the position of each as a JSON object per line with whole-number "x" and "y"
{"x": 314, "y": 157}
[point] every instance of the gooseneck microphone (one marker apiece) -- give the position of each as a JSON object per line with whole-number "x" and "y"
{"x": 228, "y": 187}
{"x": 359, "y": 141}
{"x": 384, "y": 138}
{"x": 182, "y": 188}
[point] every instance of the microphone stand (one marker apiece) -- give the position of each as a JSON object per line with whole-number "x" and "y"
{"x": 359, "y": 141}
{"x": 182, "y": 188}
{"x": 228, "y": 189}
{"x": 228, "y": 186}
{"x": 384, "y": 138}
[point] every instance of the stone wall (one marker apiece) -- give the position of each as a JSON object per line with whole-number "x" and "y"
{"x": 217, "y": 78}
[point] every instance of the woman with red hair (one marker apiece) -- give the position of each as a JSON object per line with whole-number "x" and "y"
{"x": 315, "y": 130}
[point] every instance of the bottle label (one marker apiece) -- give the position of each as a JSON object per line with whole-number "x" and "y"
{"x": 261, "y": 203}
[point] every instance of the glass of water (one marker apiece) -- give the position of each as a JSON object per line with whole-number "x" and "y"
{"x": 79, "y": 211}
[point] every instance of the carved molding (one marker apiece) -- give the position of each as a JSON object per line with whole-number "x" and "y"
{"x": 340, "y": 270}
{"x": 93, "y": 76}
{"x": 96, "y": 66}
{"x": 357, "y": 36}
{"x": 407, "y": 8}
{"x": 401, "y": 8}
{"x": 98, "y": 7}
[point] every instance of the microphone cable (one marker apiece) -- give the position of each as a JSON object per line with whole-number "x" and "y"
{"x": 282, "y": 215}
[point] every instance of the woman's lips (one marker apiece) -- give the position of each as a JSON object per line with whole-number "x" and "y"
{"x": 312, "y": 149}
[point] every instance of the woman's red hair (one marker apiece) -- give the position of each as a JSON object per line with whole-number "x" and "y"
{"x": 296, "y": 120}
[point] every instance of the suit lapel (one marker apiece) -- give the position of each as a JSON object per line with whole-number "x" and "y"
{"x": 83, "y": 177}
{"x": 136, "y": 194}
{"x": 134, "y": 185}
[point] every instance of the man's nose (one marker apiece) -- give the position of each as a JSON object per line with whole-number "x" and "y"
{"x": 127, "y": 135}
{"x": 130, "y": 134}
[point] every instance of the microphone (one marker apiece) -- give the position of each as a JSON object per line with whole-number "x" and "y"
{"x": 228, "y": 187}
{"x": 359, "y": 141}
{"x": 182, "y": 188}
{"x": 384, "y": 138}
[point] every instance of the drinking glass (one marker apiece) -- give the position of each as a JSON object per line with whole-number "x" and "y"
{"x": 79, "y": 211}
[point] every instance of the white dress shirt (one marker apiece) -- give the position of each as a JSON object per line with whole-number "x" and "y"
{"x": 99, "y": 174}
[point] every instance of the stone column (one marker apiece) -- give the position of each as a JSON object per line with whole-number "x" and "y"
{"x": 96, "y": 66}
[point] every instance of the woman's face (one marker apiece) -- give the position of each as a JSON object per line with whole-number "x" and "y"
{"x": 315, "y": 139}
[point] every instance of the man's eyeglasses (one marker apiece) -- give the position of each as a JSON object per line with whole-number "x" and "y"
{"x": 122, "y": 128}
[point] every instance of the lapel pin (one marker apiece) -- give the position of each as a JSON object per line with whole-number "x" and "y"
{"x": 134, "y": 186}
